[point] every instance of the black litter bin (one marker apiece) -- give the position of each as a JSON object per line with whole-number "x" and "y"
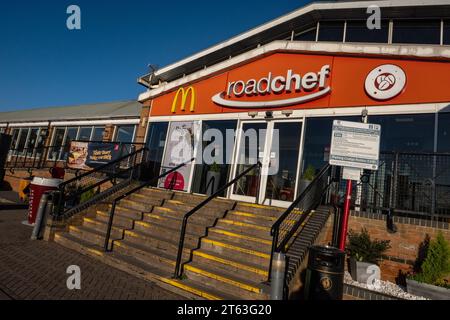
{"x": 325, "y": 273}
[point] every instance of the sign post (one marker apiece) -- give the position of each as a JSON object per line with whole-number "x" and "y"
{"x": 354, "y": 146}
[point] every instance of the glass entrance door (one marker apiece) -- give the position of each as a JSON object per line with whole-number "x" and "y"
{"x": 277, "y": 147}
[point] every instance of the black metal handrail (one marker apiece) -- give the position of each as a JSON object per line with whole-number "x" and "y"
{"x": 30, "y": 157}
{"x": 322, "y": 177}
{"x": 178, "y": 273}
{"x": 111, "y": 172}
{"x": 128, "y": 193}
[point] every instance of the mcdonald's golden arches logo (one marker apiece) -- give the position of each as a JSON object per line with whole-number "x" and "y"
{"x": 184, "y": 97}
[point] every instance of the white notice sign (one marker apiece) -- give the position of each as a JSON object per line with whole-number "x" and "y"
{"x": 355, "y": 144}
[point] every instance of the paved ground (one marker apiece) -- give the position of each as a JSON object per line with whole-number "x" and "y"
{"x": 37, "y": 270}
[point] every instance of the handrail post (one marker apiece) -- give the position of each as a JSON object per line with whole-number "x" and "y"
{"x": 274, "y": 248}
{"x": 110, "y": 222}
{"x": 180, "y": 247}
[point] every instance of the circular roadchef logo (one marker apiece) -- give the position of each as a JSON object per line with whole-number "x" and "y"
{"x": 385, "y": 82}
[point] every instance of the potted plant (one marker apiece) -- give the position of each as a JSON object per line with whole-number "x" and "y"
{"x": 306, "y": 178}
{"x": 364, "y": 253}
{"x": 212, "y": 178}
{"x": 432, "y": 279}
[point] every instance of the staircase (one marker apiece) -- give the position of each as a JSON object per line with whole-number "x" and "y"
{"x": 226, "y": 252}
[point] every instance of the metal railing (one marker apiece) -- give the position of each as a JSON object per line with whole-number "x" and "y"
{"x": 130, "y": 192}
{"x": 178, "y": 267}
{"x": 285, "y": 228}
{"x": 29, "y": 158}
{"x": 113, "y": 175}
{"x": 410, "y": 184}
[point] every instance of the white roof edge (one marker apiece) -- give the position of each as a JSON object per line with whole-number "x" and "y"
{"x": 304, "y": 10}
{"x": 418, "y": 51}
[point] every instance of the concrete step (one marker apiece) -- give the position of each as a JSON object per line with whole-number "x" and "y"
{"x": 260, "y": 209}
{"x": 157, "y": 242}
{"x": 126, "y": 212}
{"x": 156, "y": 193}
{"x": 119, "y": 220}
{"x": 151, "y": 256}
{"x": 240, "y": 252}
{"x": 254, "y": 218}
{"x": 146, "y": 199}
{"x": 201, "y": 290}
{"x": 244, "y": 228}
{"x": 230, "y": 264}
{"x": 100, "y": 226}
{"x": 198, "y": 217}
{"x": 175, "y": 222}
{"x": 183, "y": 208}
{"x": 253, "y": 242}
{"x": 94, "y": 236}
{"x": 195, "y": 199}
{"x": 224, "y": 281}
{"x": 136, "y": 205}
{"x": 164, "y": 231}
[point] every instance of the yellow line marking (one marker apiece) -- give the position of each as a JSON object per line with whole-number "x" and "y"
{"x": 164, "y": 209}
{"x": 95, "y": 252}
{"x": 252, "y": 215}
{"x": 187, "y": 288}
{"x": 229, "y": 246}
{"x": 236, "y": 235}
{"x": 261, "y": 206}
{"x": 223, "y": 279}
{"x": 243, "y": 224}
{"x": 230, "y": 263}
{"x": 176, "y": 201}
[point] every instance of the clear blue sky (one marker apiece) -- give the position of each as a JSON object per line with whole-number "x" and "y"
{"x": 42, "y": 63}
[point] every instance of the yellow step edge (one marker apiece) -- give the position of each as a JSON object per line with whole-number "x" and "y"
{"x": 223, "y": 279}
{"x": 163, "y": 209}
{"x": 143, "y": 224}
{"x": 165, "y": 260}
{"x": 151, "y": 215}
{"x": 243, "y": 224}
{"x": 121, "y": 208}
{"x": 198, "y": 292}
{"x": 241, "y": 236}
{"x": 176, "y": 201}
{"x": 251, "y": 215}
{"x": 255, "y": 205}
{"x": 230, "y": 263}
{"x": 236, "y": 248}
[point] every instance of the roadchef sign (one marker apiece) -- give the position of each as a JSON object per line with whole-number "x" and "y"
{"x": 290, "y": 83}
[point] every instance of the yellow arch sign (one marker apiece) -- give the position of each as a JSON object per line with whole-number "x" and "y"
{"x": 184, "y": 96}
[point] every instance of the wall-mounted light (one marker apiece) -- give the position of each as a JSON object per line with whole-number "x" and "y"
{"x": 287, "y": 113}
{"x": 252, "y": 114}
{"x": 269, "y": 114}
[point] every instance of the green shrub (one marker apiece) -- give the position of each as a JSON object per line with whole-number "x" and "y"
{"x": 436, "y": 265}
{"x": 309, "y": 173}
{"x": 362, "y": 248}
{"x": 214, "y": 167}
{"x": 85, "y": 196}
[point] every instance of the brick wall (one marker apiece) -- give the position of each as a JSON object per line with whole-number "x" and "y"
{"x": 405, "y": 243}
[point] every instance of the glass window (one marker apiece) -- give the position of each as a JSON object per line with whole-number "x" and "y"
{"x": 316, "y": 149}
{"x": 57, "y": 143}
{"x": 2, "y": 130}
{"x": 406, "y": 133}
{"x": 444, "y": 132}
{"x": 23, "y": 135}
{"x": 209, "y": 177}
{"x": 156, "y": 140}
{"x": 98, "y": 134}
{"x": 331, "y": 31}
{"x": 125, "y": 133}
{"x": 85, "y": 134}
{"x": 306, "y": 35}
{"x": 417, "y": 31}
{"x": 447, "y": 32}
{"x": 15, "y": 135}
{"x": 32, "y": 139}
{"x": 357, "y": 31}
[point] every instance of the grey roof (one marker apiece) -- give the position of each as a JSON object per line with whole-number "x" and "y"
{"x": 98, "y": 111}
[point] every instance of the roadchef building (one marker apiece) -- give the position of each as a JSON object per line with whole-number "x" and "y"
{"x": 296, "y": 74}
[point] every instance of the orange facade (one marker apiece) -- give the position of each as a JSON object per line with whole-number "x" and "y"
{"x": 341, "y": 85}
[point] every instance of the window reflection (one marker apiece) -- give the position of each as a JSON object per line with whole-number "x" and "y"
{"x": 357, "y": 31}
{"x": 417, "y": 31}
{"x": 331, "y": 31}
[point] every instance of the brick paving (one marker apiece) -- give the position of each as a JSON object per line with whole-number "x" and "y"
{"x": 33, "y": 270}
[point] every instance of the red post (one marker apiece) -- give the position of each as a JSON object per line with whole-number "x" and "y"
{"x": 348, "y": 198}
